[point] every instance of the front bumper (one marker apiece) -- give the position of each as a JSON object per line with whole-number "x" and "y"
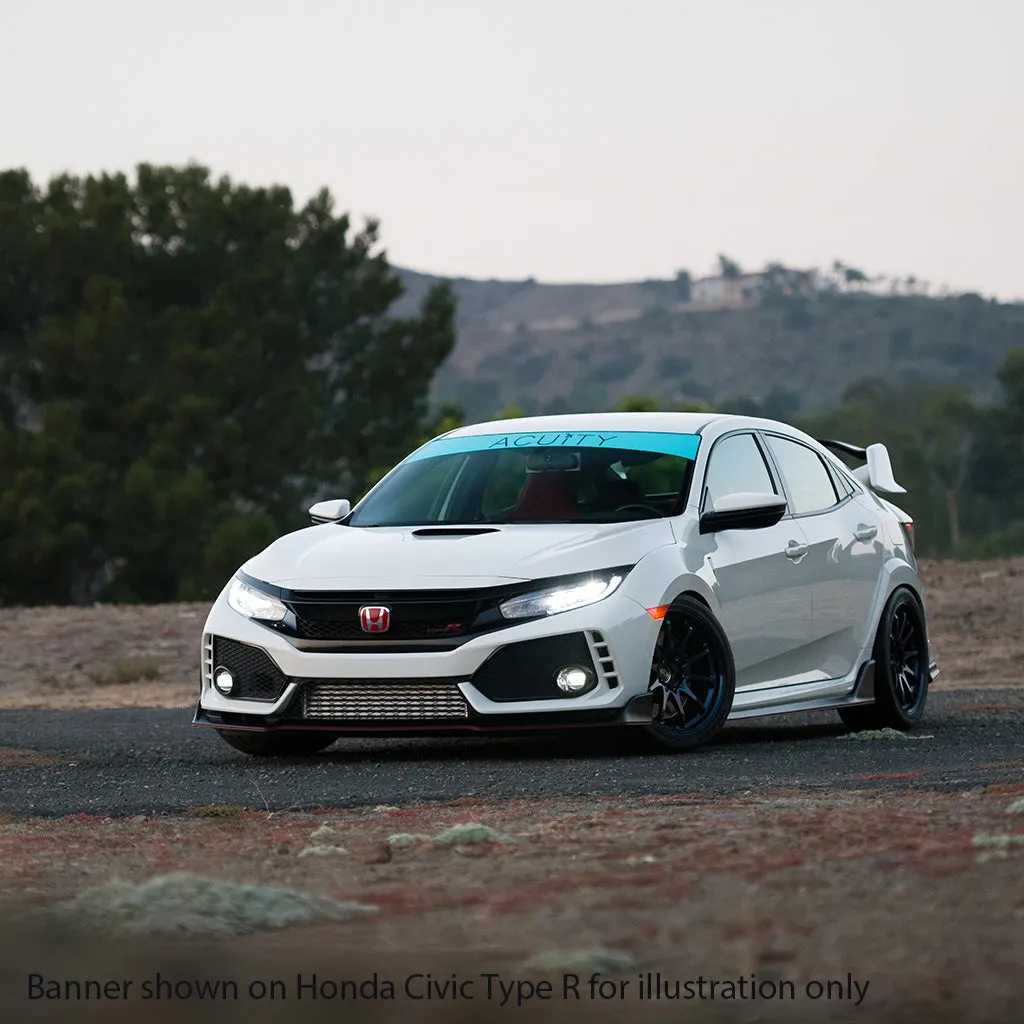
{"x": 488, "y": 683}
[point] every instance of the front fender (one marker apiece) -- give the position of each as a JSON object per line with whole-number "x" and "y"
{"x": 661, "y": 576}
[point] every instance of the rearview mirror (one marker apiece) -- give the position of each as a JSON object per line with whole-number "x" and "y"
{"x": 744, "y": 511}
{"x": 553, "y": 462}
{"x": 330, "y": 511}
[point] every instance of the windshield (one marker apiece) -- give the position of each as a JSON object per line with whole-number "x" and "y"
{"x": 535, "y": 478}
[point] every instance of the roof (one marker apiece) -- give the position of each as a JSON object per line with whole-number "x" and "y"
{"x": 675, "y": 422}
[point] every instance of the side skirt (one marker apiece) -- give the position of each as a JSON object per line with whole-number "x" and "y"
{"x": 863, "y": 693}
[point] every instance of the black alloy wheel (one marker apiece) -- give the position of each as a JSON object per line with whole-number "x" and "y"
{"x": 906, "y": 655}
{"x": 692, "y": 677}
{"x": 901, "y": 669}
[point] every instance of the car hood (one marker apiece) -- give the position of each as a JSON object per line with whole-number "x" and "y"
{"x": 330, "y": 556}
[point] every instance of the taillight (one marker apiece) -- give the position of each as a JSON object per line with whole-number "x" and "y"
{"x": 908, "y": 532}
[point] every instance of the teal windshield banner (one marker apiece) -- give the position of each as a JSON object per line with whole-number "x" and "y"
{"x": 662, "y": 442}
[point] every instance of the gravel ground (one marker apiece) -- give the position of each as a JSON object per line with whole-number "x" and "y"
{"x": 137, "y": 761}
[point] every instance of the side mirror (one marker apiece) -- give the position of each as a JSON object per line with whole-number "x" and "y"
{"x": 330, "y": 511}
{"x": 746, "y": 511}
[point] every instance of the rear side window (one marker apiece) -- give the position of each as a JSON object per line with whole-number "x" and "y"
{"x": 808, "y": 481}
{"x": 842, "y": 481}
{"x": 737, "y": 466}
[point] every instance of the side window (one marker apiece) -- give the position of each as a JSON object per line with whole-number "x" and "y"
{"x": 808, "y": 481}
{"x": 842, "y": 482}
{"x": 736, "y": 465}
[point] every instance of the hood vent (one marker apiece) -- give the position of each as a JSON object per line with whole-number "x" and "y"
{"x": 454, "y": 531}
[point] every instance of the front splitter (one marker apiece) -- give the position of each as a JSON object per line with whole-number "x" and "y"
{"x": 639, "y": 711}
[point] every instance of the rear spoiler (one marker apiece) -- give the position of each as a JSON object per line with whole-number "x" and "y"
{"x": 876, "y": 472}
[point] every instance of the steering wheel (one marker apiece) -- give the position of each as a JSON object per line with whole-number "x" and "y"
{"x": 647, "y": 510}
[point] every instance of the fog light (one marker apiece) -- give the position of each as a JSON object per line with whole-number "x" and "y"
{"x": 223, "y": 681}
{"x": 574, "y": 679}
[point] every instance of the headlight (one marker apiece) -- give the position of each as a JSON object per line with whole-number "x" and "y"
{"x": 252, "y": 604}
{"x": 560, "y": 599}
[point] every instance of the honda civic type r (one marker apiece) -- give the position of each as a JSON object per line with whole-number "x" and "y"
{"x": 662, "y": 571}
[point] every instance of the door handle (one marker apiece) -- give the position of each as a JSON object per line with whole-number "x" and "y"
{"x": 795, "y": 550}
{"x": 865, "y": 532}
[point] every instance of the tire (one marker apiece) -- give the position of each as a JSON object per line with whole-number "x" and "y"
{"x": 901, "y": 669}
{"x": 693, "y": 678}
{"x": 277, "y": 744}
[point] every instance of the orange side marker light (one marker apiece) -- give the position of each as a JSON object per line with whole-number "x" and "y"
{"x": 658, "y": 613}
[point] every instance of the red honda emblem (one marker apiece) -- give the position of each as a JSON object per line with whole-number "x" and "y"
{"x": 374, "y": 618}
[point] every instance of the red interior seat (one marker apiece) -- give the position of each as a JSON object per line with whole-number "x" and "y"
{"x": 546, "y": 496}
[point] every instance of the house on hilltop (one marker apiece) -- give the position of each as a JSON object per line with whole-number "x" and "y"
{"x": 739, "y": 291}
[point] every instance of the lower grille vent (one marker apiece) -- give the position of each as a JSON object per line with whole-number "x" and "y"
{"x": 372, "y": 700}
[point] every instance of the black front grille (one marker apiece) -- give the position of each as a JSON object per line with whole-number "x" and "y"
{"x": 255, "y": 675}
{"x": 414, "y": 615}
{"x": 526, "y": 670}
{"x": 400, "y": 628}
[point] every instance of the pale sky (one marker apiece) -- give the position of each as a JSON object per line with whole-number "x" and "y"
{"x": 567, "y": 140}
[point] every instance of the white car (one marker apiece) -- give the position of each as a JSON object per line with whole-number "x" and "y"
{"x": 663, "y": 571}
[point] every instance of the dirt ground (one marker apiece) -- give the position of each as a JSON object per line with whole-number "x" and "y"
{"x": 909, "y": 894}
{"x": 108, "y": 656}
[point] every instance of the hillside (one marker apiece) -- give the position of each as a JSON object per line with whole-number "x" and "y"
{"x": 564, "y": 347}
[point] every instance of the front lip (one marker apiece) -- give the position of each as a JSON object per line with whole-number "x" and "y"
{"x": 639, "y": 711}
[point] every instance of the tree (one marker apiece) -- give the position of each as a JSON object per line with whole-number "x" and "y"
{"x": 684, "y": 286}
{"x": 449, "y": 417}
{"x": 775, "y": 284}
{"x": 727, "y": 267}
{"x": 638, "y": 403}
{"x": 853, "y": 276}
{"x": 948, "y": 440}
{"x": 998, "y": 471}
{"x": 647, "y": 403}
{"x": 873, "y": 410}
{"x": 183, "y": 363}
